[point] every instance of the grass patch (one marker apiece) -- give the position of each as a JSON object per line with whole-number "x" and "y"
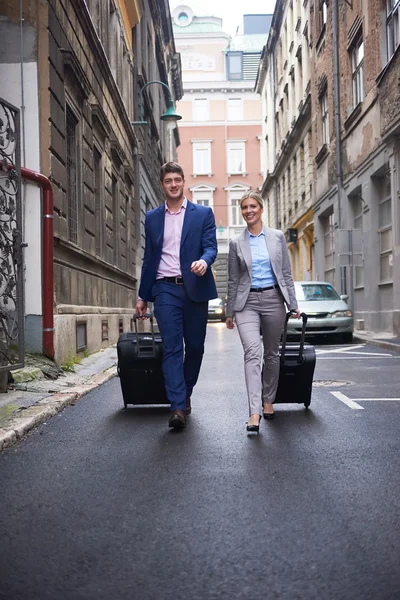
{"x": 69, "y": 364}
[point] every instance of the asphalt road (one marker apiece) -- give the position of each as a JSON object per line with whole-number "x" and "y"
{"x": 105, "y": 504}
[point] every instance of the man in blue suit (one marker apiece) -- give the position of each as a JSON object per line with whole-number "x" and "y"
{"x": 180, "y": 247}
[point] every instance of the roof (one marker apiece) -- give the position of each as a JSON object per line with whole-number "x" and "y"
{"x": 198, "y": 28}
{"x": 248, "y": 43}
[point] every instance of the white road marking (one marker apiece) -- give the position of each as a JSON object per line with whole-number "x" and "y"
{"x": 353, "y": 403}
{"x": 341, "y": 349}
{"x": 359, "y": 357}
{"x": 378, "y": 399}
{"x": 346, "y": 400}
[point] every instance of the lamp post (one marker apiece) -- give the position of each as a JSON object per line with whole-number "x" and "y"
{"x": 170, "y": 116}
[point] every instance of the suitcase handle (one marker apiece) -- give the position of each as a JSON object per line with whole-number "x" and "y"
{"x": 148, "y": 315}
{"x": 302, "y": 337}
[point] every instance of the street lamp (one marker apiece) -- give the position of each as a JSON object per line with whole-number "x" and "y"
{"x": 170, "y": 116}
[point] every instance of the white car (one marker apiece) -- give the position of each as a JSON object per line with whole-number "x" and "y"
{"x": 328, "y": 313}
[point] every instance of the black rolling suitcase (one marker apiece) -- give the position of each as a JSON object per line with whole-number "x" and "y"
{"x": 297, "y": 364}
{"x": 140, "y": 366}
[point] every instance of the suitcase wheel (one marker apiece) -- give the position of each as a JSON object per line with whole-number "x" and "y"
{"x": 306, "y": 405}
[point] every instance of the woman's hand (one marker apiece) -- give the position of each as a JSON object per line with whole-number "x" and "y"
{"x": 229, "y": 323}
{"x": 296, "y": 314}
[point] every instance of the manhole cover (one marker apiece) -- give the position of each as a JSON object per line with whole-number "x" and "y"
{"x": 331, "y": 383}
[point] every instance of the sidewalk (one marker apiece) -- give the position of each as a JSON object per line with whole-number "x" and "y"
{"x": 383, "y": 339}
{"x": 34, "y": 397}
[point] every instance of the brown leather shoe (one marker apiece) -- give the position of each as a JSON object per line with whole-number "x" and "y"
{"x": 177, "y": 419}
{"x": 188, "y": 405}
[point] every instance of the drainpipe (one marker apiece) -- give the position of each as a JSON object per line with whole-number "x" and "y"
{"x": 48, "y": 254}
{"x": 274, "y": 86}
{"x": 336, "y": 88}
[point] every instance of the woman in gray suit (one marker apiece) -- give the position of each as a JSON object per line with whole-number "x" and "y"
{"x": 260, "y": 283}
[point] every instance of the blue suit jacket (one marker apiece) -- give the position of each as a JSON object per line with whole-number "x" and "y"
{"x": 198, "y": 241}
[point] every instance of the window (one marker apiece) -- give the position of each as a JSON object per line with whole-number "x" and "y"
{"x": 393, "y": 26}
{"x": 236, "y": 152}
{"x": 115, "y": 203}
{"x": 385, "y": 230}
{"x": 202, "y": 158}
{"x": 72, "y": 175}
{"x": 329, "y": 248}
{"x": 324, "y": 118}
{"x": 323, "y": 14}
{"x": 234, "y": 197}
{"x": 357, "y": 205}
{"x": 183, "y": 17}
{"x": 98, "y": 197}
{"x": 200, "y": 109}
{"x": 235, "y": 109}
{"x": 234, "y": 65}
{"x": 357, "y": 67}
{"x": 203, "y": 195}
{"x": 302, "y": 173}
{"x": 113, "y": 40}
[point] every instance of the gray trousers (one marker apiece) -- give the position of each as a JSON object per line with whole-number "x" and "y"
{"x": 266, "y": 310}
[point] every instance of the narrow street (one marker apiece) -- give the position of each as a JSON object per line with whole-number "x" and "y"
{"x": 100, "y": 503}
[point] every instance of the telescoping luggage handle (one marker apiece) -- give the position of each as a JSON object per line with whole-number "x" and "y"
{"x": 136, "y": 316}
{"x": 302, "y": 337}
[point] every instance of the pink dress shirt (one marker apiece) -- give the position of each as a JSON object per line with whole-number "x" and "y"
{"x": 170, "y": 263}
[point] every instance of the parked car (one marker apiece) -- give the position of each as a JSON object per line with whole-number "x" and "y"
{"x": 328, "y": 313}
{"x": 216, "y": 310}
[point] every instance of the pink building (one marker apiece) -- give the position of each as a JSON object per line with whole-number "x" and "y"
{"x": 220, "y": 132}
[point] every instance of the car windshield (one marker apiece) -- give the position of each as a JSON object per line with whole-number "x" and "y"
{"x": 307, "y": 292}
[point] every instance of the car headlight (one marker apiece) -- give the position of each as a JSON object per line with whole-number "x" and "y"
{"x": 219, "y": 311}
{"x": 341, "y": 313}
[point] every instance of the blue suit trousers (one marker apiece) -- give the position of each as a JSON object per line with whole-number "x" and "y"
{"x": 182, "y": 323}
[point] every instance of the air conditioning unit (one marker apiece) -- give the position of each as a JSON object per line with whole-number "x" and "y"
{"x": 292, "y": 235}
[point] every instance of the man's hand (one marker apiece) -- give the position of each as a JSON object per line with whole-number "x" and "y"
{"x": 199, "y": 267}
{"x": 229, "y": 323}
{"x": 141, "y": 307}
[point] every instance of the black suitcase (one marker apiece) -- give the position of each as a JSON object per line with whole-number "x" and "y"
{"x": 140, "y": 366}
{"x": 296, "y": 372}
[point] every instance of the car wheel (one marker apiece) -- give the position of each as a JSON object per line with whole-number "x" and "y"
{"x": 347, "y": 338}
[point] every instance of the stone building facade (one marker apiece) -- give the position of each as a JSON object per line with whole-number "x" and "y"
{"x": 82, "y": 75}
{"x": 328, "y": 79}
{"x": 357, "y": 183}
{"x": 284, "y": 85}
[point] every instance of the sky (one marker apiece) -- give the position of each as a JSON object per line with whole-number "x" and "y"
{"x": 231, "y": 11}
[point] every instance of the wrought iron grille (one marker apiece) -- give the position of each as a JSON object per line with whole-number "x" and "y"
{"x": 11, "y": 254}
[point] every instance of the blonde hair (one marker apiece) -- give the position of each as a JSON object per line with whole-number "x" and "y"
{"x": 255, "y": 196}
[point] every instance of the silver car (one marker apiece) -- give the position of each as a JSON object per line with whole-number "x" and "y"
{"x": 328, "y": 313}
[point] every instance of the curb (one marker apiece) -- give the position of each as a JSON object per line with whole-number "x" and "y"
{"x": 379, "y": 343}
{"x": 27, "y": 419}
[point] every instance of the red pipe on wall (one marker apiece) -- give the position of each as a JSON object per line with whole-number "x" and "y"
{"x": 48, "y": 259}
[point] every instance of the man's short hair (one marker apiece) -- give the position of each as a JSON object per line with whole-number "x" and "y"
{"x": 171, "y": 167}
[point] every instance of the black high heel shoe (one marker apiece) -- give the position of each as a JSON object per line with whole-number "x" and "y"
{"x": 269, "y": 416}
{"x": 254, "y": 428}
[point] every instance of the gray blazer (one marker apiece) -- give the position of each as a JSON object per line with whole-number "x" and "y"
{"x": 239, "y": 269}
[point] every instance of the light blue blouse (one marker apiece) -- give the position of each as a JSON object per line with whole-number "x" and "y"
{"x": 262, "y": 274}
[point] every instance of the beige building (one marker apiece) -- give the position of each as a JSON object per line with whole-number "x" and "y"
{"x": 78, "y": 87}
{"x": 220, "y": 132}
{"x": 284, "y": 85}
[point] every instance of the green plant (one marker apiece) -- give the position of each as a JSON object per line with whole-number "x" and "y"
{"x": 70, "y": 362}
{"x": 68, "y": 365}
{"x": 86, "y": 353}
